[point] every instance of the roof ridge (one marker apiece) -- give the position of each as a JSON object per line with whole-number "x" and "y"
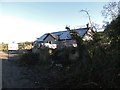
{"x": 66, "y": 30}
{"x": 64, "y": 34}
{"x": 58, "y": 31}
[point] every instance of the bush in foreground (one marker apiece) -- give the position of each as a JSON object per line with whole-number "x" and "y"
{"x": 29, "y": 58}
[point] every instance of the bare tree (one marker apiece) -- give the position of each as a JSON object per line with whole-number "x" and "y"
{"x": 110, "y": 10}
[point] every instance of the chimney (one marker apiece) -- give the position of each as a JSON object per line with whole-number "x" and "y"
{"x": 68, "y": 28}
{"x": 87, "y": 25}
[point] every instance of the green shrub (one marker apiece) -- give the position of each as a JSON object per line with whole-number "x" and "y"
{"x": 29, "y": 58}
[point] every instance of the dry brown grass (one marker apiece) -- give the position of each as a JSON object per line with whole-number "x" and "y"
{"x": 4, "y": 55}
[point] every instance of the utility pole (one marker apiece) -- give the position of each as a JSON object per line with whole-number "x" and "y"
{"x": 88, "y": 16}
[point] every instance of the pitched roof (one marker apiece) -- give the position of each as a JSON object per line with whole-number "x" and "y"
{"x": 41, "y": 38}
{"x": 62, "y": 35}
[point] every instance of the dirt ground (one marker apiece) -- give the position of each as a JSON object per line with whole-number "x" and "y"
{"x": 12, "y": 74}
{"x": 16, "y": 76}
{"x": 3, "y": 55}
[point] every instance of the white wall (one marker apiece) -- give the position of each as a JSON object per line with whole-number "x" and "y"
{"x": 12, "y": 46}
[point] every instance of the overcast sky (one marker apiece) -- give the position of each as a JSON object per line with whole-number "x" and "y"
{"x": 26, "y": 21}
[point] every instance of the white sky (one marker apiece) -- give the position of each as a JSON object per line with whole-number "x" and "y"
{"x": 18, "y": 29}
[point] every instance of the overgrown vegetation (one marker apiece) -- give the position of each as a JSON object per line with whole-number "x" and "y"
{"x": 29, "y": 58}
{"x": 3, "y": 47}
{"x": 25, "y": 45}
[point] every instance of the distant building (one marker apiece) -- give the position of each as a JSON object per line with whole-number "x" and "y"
{"x": 62, "y": 38}
{"x": 12, "y": 46}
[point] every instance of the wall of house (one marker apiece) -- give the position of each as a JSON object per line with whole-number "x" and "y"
{"x": 50, "y": 42}
{"x": 48, "y": 39}
{"x": 13, "y": 46}
{"x": 66, "y": 43}
{"x": 88, "y": 35}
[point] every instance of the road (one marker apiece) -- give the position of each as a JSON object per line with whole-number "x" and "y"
{"x": 3, "y": 55}
{"x": 11, "y": 74}
{"x": 13, "y": 77}
{"x": 17, "y": 76}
